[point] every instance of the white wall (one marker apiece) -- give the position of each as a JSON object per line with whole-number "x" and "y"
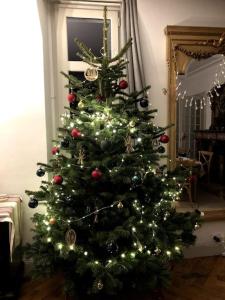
{"x": 154, "y": 16}
{"x": 22, "y": 114}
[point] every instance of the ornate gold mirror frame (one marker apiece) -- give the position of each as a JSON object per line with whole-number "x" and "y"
{"x": 183, "y": 44}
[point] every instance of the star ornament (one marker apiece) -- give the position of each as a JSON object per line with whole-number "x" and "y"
{"x": 128, "y": 144}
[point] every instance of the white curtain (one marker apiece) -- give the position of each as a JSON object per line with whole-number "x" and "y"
{"x": 129, "y": 28}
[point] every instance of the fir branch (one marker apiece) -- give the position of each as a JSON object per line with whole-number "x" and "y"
{"x": 122, "y": 51}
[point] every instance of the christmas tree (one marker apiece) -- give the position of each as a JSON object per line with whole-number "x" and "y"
{"x": 110, "y": 224}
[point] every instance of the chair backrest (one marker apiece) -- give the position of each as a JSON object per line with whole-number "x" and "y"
{"x": 205, "y": 158}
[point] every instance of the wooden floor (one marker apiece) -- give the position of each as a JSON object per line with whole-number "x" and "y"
{"x": 193, "y": 279}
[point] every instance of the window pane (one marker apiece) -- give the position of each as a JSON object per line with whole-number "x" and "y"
{"x": 89, "y": 31}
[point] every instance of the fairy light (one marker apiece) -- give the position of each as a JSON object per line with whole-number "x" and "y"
{"x": 123, "y": 255}
{"x": 132, "y": 255}
{"x": 60, "y": 246}
{"x": 71, "y": 247}
{"x": 49, "y": 239}
{"x": 85, "y": 253}
{"x": 96, "y": 262}
{"x": 168, "y": 253}
{"x": 177, "y": 248}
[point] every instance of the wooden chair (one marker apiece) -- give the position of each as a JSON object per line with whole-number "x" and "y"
{"x": 205, "y": 158}
{"x": 189, "y": 185}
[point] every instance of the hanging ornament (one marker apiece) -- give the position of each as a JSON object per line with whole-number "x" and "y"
{"x": 71, "y": 237}
{"x": 128, "y": 144}
{"x": 105, "y": 144}
{"x": 96, "y": 215}
{"x": 55, "y": 150}
{"x": 33, "y": 202}
{"x": 100, "y": 285}
{"x": 112, "y": 247}
{"x": 136, "y": 179}
{"x": 57, "y": 179}
{"x": 81, "y": 104}
{"x": 40, "y": 172}
{"x": 96, "y": 174}
{"x": 75, "y": 133}
{"x": 65, "y": 143}
{"x": 123, "y": 84}
{"x": 161, "y": 149}
{"x": 192, "y": 179}
{"x": 100, "y": 98}
{"x": 81, "y": 157}
{"x": 144, "y": 102}
{"x": 52, "y": 221}
{"x": 69, "y": 199}
{"x": 120, "y": 205}
{"x": 164, "y": 139}
{"x": 71, "y": 97}
{"x": 91, "y": 74}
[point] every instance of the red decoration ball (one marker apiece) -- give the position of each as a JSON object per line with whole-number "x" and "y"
{"x": 192, "y": 178}
{"x": 96, "y": 174}
{"x": 75, "y": 133}
{"x": 164, "y": 139}
{"x": 57, "y": 179}
{"x": 123, "y": 84}
{"x": 71, "y": 97}
{"x": 55, "y": 150}
{"x": 52, "y": 221}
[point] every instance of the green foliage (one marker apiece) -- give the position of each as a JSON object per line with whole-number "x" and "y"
{"x": 127, "y": 231}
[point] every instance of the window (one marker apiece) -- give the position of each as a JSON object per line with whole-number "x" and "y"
{"x": 85, "y": 23}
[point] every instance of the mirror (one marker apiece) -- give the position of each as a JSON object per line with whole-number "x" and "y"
{"x": 197, "y": 109}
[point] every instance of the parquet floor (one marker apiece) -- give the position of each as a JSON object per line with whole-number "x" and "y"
{"x": 193, "y": 279}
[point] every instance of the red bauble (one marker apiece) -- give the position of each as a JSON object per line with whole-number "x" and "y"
{"x": 100, "y": 98}
{"x": 71, "y": 97}
{"x": 57, "y": 179}
{"x": 123, "y": 84}
{"x": 55, "y": 150}
{"x": 96, "y": 174}
{"x": 192, "y": 179}
{"x": 164, "y": 139}
{"x": 75, "y": 133}
{"x": 52, "y": 221}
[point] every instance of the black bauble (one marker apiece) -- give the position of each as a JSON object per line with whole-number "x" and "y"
{"x": 40, "y": 172}
{"x": 74, "y": 104}
{"x": 161, "y": 149}
{"x": 65, "y": 143}
{"x": 105, "y": 145}
{"x": 69, "y": 199}
{"x": 136, "y": 179}
{"x": 112, "y": 247}
{"x": 33, "y": 202}
{"x": 144, "y": 102}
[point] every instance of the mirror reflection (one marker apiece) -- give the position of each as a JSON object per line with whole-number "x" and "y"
{"x": 200, "y": 133}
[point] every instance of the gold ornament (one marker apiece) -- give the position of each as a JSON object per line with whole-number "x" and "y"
{"x": 120, "y": 205}
{"x": 81, "y": 104}
{"x": 91, "y": 74}
{"x": 71, "y": 237}
{"x": 100, "y": 285}
{"x": 129, "y": 144}
{"x": 81, "y": 157}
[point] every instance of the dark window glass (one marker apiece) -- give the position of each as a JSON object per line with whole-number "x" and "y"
{"x": 79, "y": 75}
{"x": 89, "y": 31}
